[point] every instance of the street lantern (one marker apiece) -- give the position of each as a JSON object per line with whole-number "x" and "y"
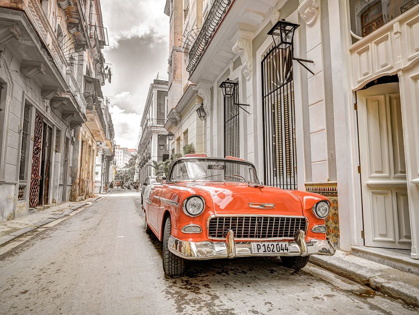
{"x": 170, "y": 136}
{"x": 228, "y": 86}
{"x": 283, "y": 34}
{"x": 201, "y": 112}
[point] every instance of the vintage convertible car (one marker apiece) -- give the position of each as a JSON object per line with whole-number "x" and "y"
{"x": 211, "y": 208}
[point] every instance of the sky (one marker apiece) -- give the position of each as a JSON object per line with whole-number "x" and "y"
{"x": 138, "y": 51}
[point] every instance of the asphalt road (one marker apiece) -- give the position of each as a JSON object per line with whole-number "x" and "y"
{"x": 100, "y": 261}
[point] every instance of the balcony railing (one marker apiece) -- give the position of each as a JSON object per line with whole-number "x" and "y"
{"x": 38, "y": 19}
{"x": 154, "y": 122}
{"x": 215, "y": 16}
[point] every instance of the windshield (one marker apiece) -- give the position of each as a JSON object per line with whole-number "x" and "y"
{"x": 213, "y": 170}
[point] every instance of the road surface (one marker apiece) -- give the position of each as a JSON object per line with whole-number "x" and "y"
{"x": 100, "y": 261}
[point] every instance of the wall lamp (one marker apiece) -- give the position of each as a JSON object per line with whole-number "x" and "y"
{"x": 170, "y": 136}
{"x": 229, "y": 87}
{"x": 201, "y": 112}
{"x": 283, "y": 36}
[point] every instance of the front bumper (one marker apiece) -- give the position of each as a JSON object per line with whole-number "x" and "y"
{"x": 231, "y": 249}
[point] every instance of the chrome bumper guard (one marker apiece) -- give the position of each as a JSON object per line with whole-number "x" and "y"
{"x": 231, "y": 249}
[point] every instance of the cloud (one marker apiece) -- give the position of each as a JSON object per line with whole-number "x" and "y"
{"x": 134, "y": 18}
{"x": 127, "y": 127}
{"x": 136, "y": 61}
{"x": 138, "y": 32}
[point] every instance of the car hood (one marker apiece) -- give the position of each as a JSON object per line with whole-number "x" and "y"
{"x": 235, "y": 198}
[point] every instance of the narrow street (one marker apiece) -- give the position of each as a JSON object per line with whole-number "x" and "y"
{"x": 100, "y": 261}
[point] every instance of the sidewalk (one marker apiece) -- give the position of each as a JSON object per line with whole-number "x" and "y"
{"x": 10, "y": 230}
{"x": 390, "y": 281}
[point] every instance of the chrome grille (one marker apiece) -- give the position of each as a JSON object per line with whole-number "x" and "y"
{"x": 256, "y": 227}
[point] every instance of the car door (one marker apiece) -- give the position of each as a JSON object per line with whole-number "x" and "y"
{"x": 154, "y": 206}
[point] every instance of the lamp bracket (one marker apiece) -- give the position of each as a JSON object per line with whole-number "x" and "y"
{"x": 240, "y": 106}
{"x": 300, "y": 61}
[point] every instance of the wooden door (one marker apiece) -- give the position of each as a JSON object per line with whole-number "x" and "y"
{"x": 383, "y": 168}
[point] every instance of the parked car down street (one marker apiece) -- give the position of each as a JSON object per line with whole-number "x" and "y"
{"x": 212, "y": 208}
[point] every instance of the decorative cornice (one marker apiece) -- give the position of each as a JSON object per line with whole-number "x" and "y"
{"x": 243, "y": 47}
{"x": 31, "y": 69}
{"x": 309, "y": 11}
{"x": 58, "y": 102}
{"x": 205, "y": 94}
{"x": 68, "y": 116}
{"x": 9, "y": 33}
{"x": 49, "y": 92}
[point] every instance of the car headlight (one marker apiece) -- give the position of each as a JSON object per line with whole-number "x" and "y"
{"x": 321, "y": 209}
{"x": 194, "y": 206}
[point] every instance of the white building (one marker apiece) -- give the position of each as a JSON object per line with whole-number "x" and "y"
{"x": 346, "y": 129}
{"x": 153, "y": 142}
{"x": 123, "y": 155}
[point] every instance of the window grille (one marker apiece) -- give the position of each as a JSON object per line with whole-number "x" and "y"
{"x": 232, "y": 125}
{"x": 279, "y": 119}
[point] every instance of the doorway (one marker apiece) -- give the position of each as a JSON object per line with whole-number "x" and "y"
{"x": 383, "y": 167}
{"x": 45, "y": 166}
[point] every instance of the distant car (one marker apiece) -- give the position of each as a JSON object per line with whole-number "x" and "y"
{"x": 150, "y": 180}
{"x": 212, "y": 208}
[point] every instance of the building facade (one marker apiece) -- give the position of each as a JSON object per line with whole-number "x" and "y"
{"x": 45, "y": 51}
{"x": 342, "y": 122}
{"x": 123, "y": 156}
{"x": 183, "y": 96}
{"x": 153, "y": 143}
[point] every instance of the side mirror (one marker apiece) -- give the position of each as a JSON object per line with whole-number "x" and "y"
{"x": 145, "y": 184}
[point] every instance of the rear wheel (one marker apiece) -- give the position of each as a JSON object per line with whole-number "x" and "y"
{"x": 172, "y": 264}
{"x": 295, "y": 262}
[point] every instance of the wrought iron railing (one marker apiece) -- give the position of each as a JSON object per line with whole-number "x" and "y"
{"x": 36, "y": 15}
{"x": 408, "y": 5}
{"x": 215, "y": 16}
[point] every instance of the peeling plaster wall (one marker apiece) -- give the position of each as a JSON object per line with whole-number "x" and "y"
{"x": 7, "y": 202}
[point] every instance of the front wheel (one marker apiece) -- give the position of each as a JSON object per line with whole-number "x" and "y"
{"x": 172, "y": 264}
{"x": 295, "y": 262}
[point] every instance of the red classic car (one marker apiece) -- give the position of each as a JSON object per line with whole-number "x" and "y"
{"x": 212, "y": 208}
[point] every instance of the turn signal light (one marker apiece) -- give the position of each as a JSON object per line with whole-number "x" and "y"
{"x": 191, "y": 229}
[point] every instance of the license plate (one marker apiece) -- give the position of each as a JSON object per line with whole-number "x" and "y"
{"x": 269, "y": 247}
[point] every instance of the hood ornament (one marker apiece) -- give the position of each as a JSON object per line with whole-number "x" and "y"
{"x": 261, "y": 205}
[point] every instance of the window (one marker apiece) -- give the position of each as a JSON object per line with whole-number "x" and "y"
{"x": 185, "y": 137}
{"x": 232, "y": 125}
{"x": 24, "y": 147}
{"x": 178, "y": 145}
{"x": 280, "y": 159}
{"x": 58, "y": 141}
{"x": 161, "y": 106}
{"x": 368, "y": 16}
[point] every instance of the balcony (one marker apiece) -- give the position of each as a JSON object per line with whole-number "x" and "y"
{"x": 37, "y": 17}
{"x": 31, "y": 36}
{"x": 154, "y": 122}
{"x": 151, "y": 126}
{"x": 215, "y": 16}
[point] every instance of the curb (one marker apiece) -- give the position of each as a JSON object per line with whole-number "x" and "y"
{"x": 8, "y": 238}
{"x": 388, "y": 281}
